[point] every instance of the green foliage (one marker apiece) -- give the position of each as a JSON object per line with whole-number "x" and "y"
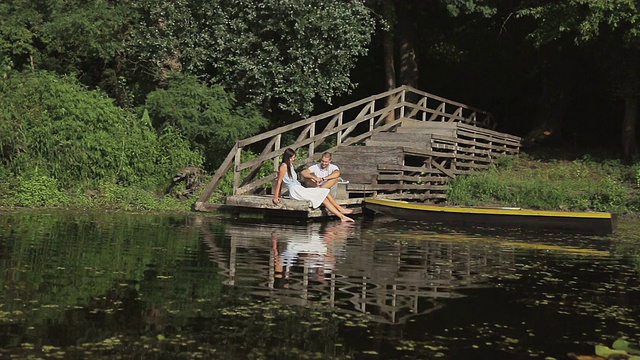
{"x": 582, "y": 184}
{"x": 80, "y": 137}
{"x": 8, "y": 183}
{"x": 282, "y": 52}
{"x": 621, "y": 349}
{"x": 456, "y": 7}
{"x": 583, "y": 21}
{"x": 86, "y": 32}
{"x": 37, "y": 190}
{"x": 113, "y": 196}
{"x": 206, "y": 115}
{"x": 72, "y": 36}
{"x": 18, "y": 31}
{"x": 225, "y": 187}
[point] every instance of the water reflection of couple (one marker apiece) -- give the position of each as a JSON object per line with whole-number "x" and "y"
{"x": 314, "y": 252}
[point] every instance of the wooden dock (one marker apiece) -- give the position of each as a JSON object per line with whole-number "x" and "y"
{"x": 289, "y": 208}
{"x": 407, "y": 150}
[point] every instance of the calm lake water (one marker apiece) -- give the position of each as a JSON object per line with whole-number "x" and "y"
{"x": 79, "y": 285}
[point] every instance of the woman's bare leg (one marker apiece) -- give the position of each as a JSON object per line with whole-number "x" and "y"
{"x": 327, "y": 203}
{"x": 340, "y": 208}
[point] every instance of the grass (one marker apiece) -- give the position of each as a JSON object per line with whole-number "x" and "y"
{"x": 539, "y": 181}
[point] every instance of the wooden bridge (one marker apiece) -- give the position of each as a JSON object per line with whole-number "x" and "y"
{"x": 400, "y": 144}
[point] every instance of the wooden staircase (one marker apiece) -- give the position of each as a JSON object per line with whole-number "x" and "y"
{"x": 416, "y": 160}
{"x": 401, "y": 144}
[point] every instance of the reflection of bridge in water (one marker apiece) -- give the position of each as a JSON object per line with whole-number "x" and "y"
{"x": 351, "y": 268}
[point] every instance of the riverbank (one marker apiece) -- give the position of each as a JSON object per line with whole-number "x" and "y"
{"x": 534, "y": 180}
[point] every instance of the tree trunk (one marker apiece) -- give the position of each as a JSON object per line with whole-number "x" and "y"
{"x": 408, "y": 65}
{"x": 629, "y": 144}
{"x": 388, "y": 53}
{"x": 630, "y": 92}
{"x": 557, "y": 83}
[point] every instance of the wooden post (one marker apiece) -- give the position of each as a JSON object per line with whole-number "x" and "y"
{"x": 339, "y": 134}
{"x": 236, "y": 173}
{"x": 312, "y": 133}
{"x": 371, "y": 111}
{"x": 402, "y": 99}
{"x": 276, "y": 164}
{"x": 424, "y": 113}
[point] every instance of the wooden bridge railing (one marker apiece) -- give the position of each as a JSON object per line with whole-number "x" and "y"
{"x": 344, "y": 126}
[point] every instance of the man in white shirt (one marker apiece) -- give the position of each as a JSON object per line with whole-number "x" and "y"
{"x": 323, "y": 174}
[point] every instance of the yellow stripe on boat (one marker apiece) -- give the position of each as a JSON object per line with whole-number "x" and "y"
{"x": 486, "y": 211}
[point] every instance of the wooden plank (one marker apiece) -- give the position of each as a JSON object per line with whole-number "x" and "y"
{"x": 412, "y": 196}
{"x": 383, "y": 167}
{"x": 491, "y": 132}
{"x": 374, "y": 155}
{"x": 359, "y": 164}
{"x": 415, "y": 178}
{"x": 357, "y": 139}
{"x": 286, "y": 204}
{"x": 466, "y": 144}
{"x": 445, "y": 133}
{"x": 408, "y": 145}
{"x": 453, "y": 130}
{"x": 478, "y": 137}
{"x": 462, "y": 127}
{"x": 460, "y": 156}
{"x": 400, "y": 137}
{"x": 444, "y": 170}
{"x": 394, "y": 187}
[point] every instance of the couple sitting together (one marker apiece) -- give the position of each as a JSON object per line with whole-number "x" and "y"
{"x": 319, "y": 178}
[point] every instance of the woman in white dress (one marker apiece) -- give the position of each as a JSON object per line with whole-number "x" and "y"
{"x": 317, "y": 196}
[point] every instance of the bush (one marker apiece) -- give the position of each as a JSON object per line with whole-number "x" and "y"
{"x": 206, "y": 115}
{"x": 81, "y": 138}
{"x": 37, "y": 190}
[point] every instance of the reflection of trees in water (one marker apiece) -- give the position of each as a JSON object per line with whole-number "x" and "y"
{"x": 355, "y": 270}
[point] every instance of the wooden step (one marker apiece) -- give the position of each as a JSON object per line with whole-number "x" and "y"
{"x": 359, "y": 164}
{"x": 412, "y": 140}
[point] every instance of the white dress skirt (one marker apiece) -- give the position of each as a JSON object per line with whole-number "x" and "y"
{"x": 299, "y": 192}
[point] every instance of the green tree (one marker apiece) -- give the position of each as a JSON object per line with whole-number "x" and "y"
{"x": 278, "y": 54}
{"x": 19, "y": 32}
{"x": 208, "y": 116}
{"x": 89, "y": 38}
{"x": 77, "y": 36}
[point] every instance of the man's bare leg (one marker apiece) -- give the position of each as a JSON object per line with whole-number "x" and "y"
{"x": 330, "y": 183}
{"x": 309, "y": 183}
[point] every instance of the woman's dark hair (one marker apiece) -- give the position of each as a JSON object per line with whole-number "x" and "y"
{"x": 286, "y": 157}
